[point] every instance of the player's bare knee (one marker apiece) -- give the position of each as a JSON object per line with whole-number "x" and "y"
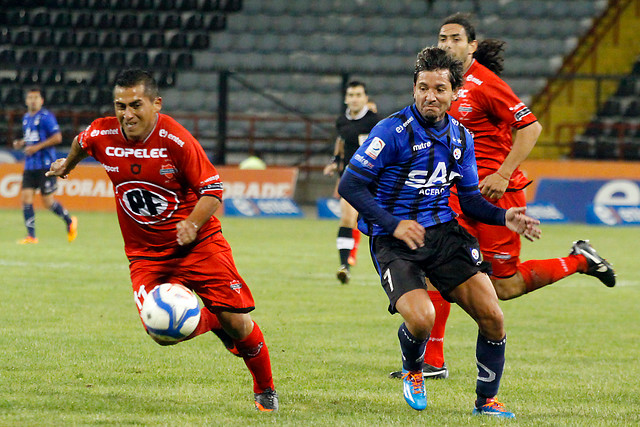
{"x": 420, "y": 323}
{"x": 237, "y": 325}
{"x": 491, "y": 324}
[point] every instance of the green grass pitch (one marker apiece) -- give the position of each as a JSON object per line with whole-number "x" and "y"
{"x": 73, "y": 351}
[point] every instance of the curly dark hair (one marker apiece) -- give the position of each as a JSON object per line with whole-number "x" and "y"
{"x": 489, "y": 52}
{"x": 433, "y": 58}
{"x": 136, "y": 76}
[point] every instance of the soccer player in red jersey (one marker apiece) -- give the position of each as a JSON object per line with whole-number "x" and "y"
{"x": 487, "y": 106}
{"x": 166, "y": 194}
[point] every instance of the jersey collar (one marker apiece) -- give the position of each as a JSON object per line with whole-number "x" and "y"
{"x": 360, "y": 115}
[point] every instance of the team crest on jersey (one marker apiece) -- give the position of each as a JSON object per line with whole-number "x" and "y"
{"x": 168, "y": 171}
{"x": 457, "y": 153}
{"x": 475, "y": 254}
{"x": 375, "y": 148}
{"x": 236, "y": 285}
{"x": 136, "y": 168}
{"x": 146, "y": 202}
{"x": 465, "y": 109}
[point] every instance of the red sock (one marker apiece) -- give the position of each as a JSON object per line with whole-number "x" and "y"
{"x": 542, "y": 272}
{"x": 356, "y": 242}
{"x": 208, "y": 321}
{"x": 255, "y": 353}
{"x": 434, "y": 354}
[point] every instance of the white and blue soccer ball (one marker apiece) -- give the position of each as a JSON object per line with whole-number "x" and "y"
{"x": 170, "y": 312}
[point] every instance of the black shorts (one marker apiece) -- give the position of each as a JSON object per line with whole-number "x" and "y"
{"x": 449, "y": 257}
{"x": 36, "y": 179}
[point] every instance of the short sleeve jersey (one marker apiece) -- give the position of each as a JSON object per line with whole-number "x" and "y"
{"x": 410, "y": 166}
{"x": 157, "y": 182}
{"x": 487, "y": 106}
{"x": 355, "y": 131}
{"x": 37, "y": 128}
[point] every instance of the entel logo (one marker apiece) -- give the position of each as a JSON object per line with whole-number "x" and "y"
{"x": 165, "y": 134}
{"x": 139, "y": 153}
{"x": 97, "y": 132}
{"x": 400, "y": 128}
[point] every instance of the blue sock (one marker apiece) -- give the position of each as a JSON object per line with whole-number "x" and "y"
{"x": 490, "y": 361}
{"x": 412, "y": 349}
{"x": 29, "y": 219}
{"x": 57, "y": 209}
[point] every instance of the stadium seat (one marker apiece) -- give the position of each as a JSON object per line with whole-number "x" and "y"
{"x": 54, "y": 78}
{"x": 184, "y": 61}
{"x": 211, "y": 6}
{"x": 95, "y": 59}
{"x": 41, "y": 19}
{"x": 166, "y": 79}
{"x": 162, "y": 60}
{"x": 611, "y": 108}
{"x": 627, "y": 86}
{"x": 122, "y": 4}
{"x": 100, "y": 78}
{"x": 178, "y": 41}
{"x": 128, "y": 21}
{"x": 166, "y": 4}
{"x": 117, "y": 59}
{"x": 106, "y": 21}
{"x": 14, "y": 97}
{"x": 72, "y": 59}
{"x": 101, "y": 4}
{"x": 187, "y": 5}
{"x": 89, "y": 39}
{"x": 59, "y": 98}
{"x": 5, "y": 36}
{"x": 103, "y": 97}
{"x": 139, "y": 60}
{"x": 45, "y": 38}
{"x": 193, "y": 22}
{"x": 23, "y": 38}
{"x": 18, "y": 18}
{"x": 134, "y": 40}
{"x": 155, "y": 40}
{"x": 151, "y": 21}
{"x": 633, "y": 110}
{"x": 8, "y": 57}
{"x": 28, "y": 58}
{"x": 84, "y": 20}
{"x": 113, "y": 39}
{"x": 51, "y": 58}
{"x": 200, "y": 41}
{"x": 171, "y": 21}
{"x": 78, "y": 78}
{"x": 145, "y": 5}
{"x": 62, "y": 19}
{"x": 67, "y": 38}
{"x": 217, "y": 22}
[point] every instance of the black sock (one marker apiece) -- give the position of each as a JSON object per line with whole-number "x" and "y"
{"x": 345, "y": 243}
{"x": 490, "y": 361}
{"x": 29, "y": 219}
{"x": 412, "y": 349}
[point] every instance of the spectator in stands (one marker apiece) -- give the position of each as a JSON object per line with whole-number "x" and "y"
{"x": 41, "y": 135}
{"x": 353, "y": 128}
{"x": 487, "y": 106}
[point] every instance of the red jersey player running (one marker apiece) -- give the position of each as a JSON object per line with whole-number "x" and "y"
{"x": 166, "y": 193}
{"x": 487, "y": 106}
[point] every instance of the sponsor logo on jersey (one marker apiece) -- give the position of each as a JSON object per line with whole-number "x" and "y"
{"x": 110, "y": 168}
{"x": 165, "y": 134}
{"x": 138, "y": 153}
{"x": 31, "y": 135}
{"x": 97, "y": 132}
{"x": 462, "y": 93}
{"x": 145, "y": 202}
{"x": 421, "y": 146}
{"x": 363, "y": 161}
{"x": 522, "y": 113}
{"x": 375, "y": 148}
{"x": 431, "y": 183}
{"x": 517, "y": 106}
{"x": 473, "y": 79}
{"x": 402, "y": 127}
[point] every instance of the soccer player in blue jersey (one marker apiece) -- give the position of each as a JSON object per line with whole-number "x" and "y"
{"x": 41, "y": 135}
{"x": 399, "y": 181}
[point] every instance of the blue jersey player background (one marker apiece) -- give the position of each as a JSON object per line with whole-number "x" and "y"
{"x": 399, "y": 181}
{"x": 41, "y": 135}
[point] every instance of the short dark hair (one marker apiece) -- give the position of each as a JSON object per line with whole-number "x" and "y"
{"x": 136, "y": 76}
{"x": 35, "y": 89}
{"x": 357, "y": 83}
{"x": 433, "y": 58}
{"x": 464, "y": 20}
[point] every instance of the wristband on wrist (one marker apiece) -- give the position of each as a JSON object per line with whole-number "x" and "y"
{"x": 502, "y": 176}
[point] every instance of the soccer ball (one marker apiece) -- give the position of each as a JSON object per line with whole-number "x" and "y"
{"x": 170, "y": 312}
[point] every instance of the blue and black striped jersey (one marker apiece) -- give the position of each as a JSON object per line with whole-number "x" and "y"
{"x": 37, "y": 128}
{"x": 410, "y": 166}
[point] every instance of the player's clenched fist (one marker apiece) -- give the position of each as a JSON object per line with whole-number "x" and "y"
{"x": 57, "y": 169}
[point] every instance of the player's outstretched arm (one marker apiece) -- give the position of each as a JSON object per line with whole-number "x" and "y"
{"x": 517, "y": 221}
{"x": 62, "y": 167}
{"x": 187, "y": 230}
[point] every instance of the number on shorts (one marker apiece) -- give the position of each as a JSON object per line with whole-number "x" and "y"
{"x": 387, "y": 276}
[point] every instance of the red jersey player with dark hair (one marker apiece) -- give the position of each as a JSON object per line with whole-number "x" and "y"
{"x": 166, "y": 194}
{"x": 488, "y": 108}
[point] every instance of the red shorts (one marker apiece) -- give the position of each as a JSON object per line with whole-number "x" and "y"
{"x": 499, "y": 245}
{"x": 208, "y": 270}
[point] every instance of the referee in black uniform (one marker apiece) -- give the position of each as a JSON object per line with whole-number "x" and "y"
{"x": 353, "y": 128}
